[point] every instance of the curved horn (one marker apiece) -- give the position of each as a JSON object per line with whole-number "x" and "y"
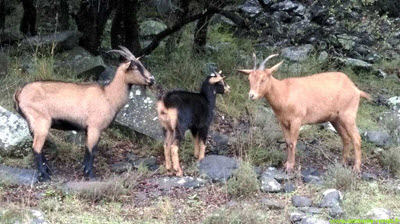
{"x": 123, "y": 53}
{"x": 262, "y": 65}
{"x": 255, "y": 61}
{"x": 126, "y": 50}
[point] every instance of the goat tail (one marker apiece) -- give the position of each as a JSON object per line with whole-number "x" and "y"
{"x": 16, "y": 101}
{"x": 365, "y": 95}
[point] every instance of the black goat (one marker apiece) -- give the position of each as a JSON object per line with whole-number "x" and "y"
{"x": 179, "y": 111}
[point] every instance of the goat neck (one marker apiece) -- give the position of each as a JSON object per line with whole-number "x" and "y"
{"x": 117, "y": 91}
{"x": 209, "y": 92}
{"x": 277, "y": 93}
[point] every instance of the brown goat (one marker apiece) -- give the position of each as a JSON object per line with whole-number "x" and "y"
{"x": 318, "y": 98}
{"x": 82, "y": 107}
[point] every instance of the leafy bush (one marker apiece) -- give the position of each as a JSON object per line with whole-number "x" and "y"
{"x": 244, "y": 181}
{"x": 340, "y": 177}
{"x": 390, "y": 159}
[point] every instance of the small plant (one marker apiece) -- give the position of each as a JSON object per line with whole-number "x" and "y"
{"x": 340, "y": 177}
{"x": 390, "y": 159}
{"x": 244, "y": 182}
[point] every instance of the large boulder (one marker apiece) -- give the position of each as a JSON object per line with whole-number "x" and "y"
{"x": 168, "y": 183}
{"x": 217, "y": 168}
{"x": 65, "y": 40}
{"x": 297, "y": 54}
{"x": 139, "y": 114}
{"x": 17, "y": 176}
{"x": 15, "y": 138}
{"x": 80, "y": 63}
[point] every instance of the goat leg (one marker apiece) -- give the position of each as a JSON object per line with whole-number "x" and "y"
{"x": 43, "y": 175}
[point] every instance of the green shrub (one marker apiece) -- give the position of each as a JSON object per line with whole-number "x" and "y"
{"x": 339, "y": 177}
{"x": 390, "y": 159}
{"x": 244, "y": 181}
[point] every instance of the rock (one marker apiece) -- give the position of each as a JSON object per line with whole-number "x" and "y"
{"x": 139, "y": 114}
{"x": 3, "y": 65}
{"x": 356, "y": 64}
{"x": 219, "y": 143}
{"x": 250, "y": 8}
{"x": 336, "y": 211}
{"x": 301, "y": 201}
{"x": 77, "y": 187}
{"x": 394, "y": 102}
{"x": 311, "y": 210}
{"x": 286, "y": 5}
{"x": 380, "y": 73}
{"x": 323, "y": 56}
{"x": 296, "y": 216}
{"x": 121, "y": 167}
{"x": 297, "y": 54}
{"x": 15, "y": 138}
{"x": 217, "y": 168}
{"x": 17, "y": 176}
{"x": 379, "y": 214}
{"x": 332, "y": 197}
{"x": 168, "y": 183}
{"x": 269, "y": 184}
{"x": 278, "y": 175}
{"x": 347, "y": 42}
{"x": 379, "y": 138}
{"x": 150, "y": 163}
{"x": 151, "y": 27}
{"x": 81, "y": 63}
{"x": 328, "y": 126}
{"x": 369, "y": 176}
{"x": 29, "y": 216}
{"x": 311, "y": 175}
{"x": 272, "y": 204}
{"x": 65, "y": 40}
{"x": 289, "y": 187}
{"x": 313, "y": 220}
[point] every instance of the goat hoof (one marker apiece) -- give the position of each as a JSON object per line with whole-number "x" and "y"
{"x": 357, "y": 169}
{"x": 44, "y": 177}
{"x": 179, "y": 173}
{"x": 289, "y": 167}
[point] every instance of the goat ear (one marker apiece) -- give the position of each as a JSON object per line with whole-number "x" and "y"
{"x": 245, "y": 71}
{"x": 275, "y": 67}
{"x": 214, "y": 80}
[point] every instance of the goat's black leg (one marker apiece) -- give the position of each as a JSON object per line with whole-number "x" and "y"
{"x": 46, "y": 164}
{"x": 202, "y": 138}
{"x": 92, "y": 138}
{"x": 40, "y": 164}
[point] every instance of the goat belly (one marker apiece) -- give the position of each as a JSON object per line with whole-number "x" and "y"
{"x": 66, "y": 125}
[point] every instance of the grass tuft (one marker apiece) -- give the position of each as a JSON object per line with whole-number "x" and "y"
{"x": 339, "y": 177}
{"x": 244, "y": 182}
{"x": 390, "y": 160}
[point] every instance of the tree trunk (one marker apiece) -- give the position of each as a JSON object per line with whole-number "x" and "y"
{"x": 91, "y": 20}
{"x": 28, "y": 21}
{"x": 200, "y": 34}
{"x": 2, "y": 15}
{"x": 117, "y": 34}
{"x": 131, "y": 26}
{"x": 64, "y": 14}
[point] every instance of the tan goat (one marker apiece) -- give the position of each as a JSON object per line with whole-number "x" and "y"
{"x": 77, "y": 106}
{"x": 318, "y": 98}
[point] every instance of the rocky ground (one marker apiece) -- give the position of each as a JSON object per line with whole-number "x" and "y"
{"x": 240, "y": 180}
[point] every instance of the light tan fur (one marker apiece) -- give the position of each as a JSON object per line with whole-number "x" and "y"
{"x": 312, "y": 99}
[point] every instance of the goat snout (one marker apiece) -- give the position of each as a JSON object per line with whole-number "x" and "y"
{"x": 253, "y": 96}
{"x": 151, "y": 81}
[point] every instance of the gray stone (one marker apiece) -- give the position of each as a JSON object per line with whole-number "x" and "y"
{"x": 76, "y": 187}
{"x": 297, "y": 54}
{"x": 17, "y": 176}
{"x": 150, "y": 163}
{"x": 251, "y": 8}
{"x": 313, "y": 220}
{"x": 151, "y": 27}
{"x": 121, "y": 167}
{"x": 394, "y": 102}
{"x": 289, "y": 187}
{"x": 296, "y": 216}
{"x": 65, "y": 40}
{"x": 347, "y": 42}
{"x": 15, "y": 138}
{"x": 81, "y": 63}
{"x": 278, "y": 175}
{"x": 336, "y": 212}
{"x": 311, "y": 210}
{"x": 3, "y": 64}
{"x": 311, "y": 175}
{"x": 323, "y": 56}
{"x": 269, "y": 184}
{"x": 217, "y": 168}
{"x": 379, "y": 213}
{"x": 301, "y": 201}
{"x": 332, "y": 197}
{"x": 272, "y": 204}
{"x": 369, "y": 176}
{"x": 379, "y": 138}
{"x": 380, "y": 73}
{"x": 219, "y": 143}
{"x": 356, "y": 64}
{"x": 168, "y": 183}
{"x": 285, "y": 6}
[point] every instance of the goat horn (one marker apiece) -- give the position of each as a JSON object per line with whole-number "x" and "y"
{"x": 123, "y": 53}
{"x": 255, "y": 61}
{"x": 262, "y": 65}
{"x": 126, "y": 50}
